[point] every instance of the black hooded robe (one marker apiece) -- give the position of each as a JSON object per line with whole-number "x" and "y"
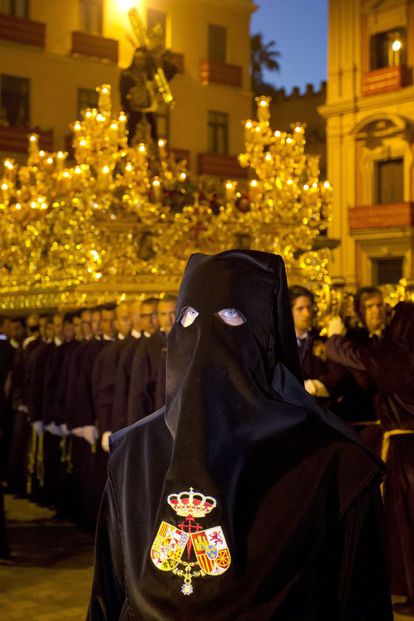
{"x": 241, "y": 499}
{"x": 389, "y": 364}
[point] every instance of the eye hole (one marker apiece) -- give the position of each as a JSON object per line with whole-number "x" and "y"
{"x": 231, "y": 316}
{"x": 187, "y": 316}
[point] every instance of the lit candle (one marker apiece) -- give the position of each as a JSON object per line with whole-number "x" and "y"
{"x": 5, "y": 192}
{"x": 113, "y": 128}
{"x": 162, "y": 143}
{"x": 263, "y": 109}
{"x": 142, "y": 154}
{"x": 60, "y": 160}
{"x": 104, "y": 177}
{"x": 104, "y": 101}
{"x": 33, "y": 144}
{"x": 122, "y": 119}
{"x": 248, "y": 125}
{"x": 254, "y": 190}
{"x": 9, "y": 169}
{"x": 230, "y": 188}
{"x": 156, "y": 189}
{"x": 269, "y": 162}
{"x": 128, "y": 173}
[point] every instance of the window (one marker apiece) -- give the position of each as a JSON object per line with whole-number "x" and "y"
{"x": 218, "y": 132}
{"x": 17, "y": 8}
{"x": 388, "y": 48}
{"x": 217, "y": 36}
{"x": 87, "y": 98}
{"x": 390, "y": 181}
{"x": 387, "y": 271}
{"x": 157, "y": 19}
{"x": 91, "y": 16}
{"x": 15, "y": 101}
{"x": 162, "y": 120}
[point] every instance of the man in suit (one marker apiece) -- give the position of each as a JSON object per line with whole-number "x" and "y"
{"x": 144, "y": 317}
{"x": 145, "y": 365}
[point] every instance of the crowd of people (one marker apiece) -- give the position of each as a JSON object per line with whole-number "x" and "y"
{"x": 66, "y": 386}
{"x": 364, "y": 371}
{"x": 69, "y": 381}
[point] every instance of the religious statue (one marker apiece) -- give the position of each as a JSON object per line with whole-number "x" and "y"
{"x": 145, "y": 83}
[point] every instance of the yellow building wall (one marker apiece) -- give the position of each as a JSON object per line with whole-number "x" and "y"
{"x": 350, "y": 159}
{"x": 56, "y": 75}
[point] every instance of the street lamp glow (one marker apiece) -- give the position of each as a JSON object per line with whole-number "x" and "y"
{"x": 126, "y": 5}
{"x": 396, "y": 45}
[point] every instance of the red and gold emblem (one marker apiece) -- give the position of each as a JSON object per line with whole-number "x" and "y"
{"x": 187, "y": 549}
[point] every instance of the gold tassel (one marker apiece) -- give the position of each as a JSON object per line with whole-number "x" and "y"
{"x": 31, "y": 462}
{"x": 40, "y": 466}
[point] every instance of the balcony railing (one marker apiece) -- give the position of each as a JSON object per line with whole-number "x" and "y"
{"x": 180, "y": 154}
{"x": 87, "y": 44}
{"x": 383, "y": 80}
{"x": 16, "y": 139}
{"x": 226, "y": 166}
{"x": 214, "y": 72}
{"x": 22, "y": 30}
{"x": 390, "y": 215}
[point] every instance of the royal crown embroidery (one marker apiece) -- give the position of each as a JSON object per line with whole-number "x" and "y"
{"x": 187, "y": 549}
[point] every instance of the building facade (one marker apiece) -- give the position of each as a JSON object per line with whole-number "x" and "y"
{"x": 54, "y": 54}
{"x": 370, "y": 123}
{"x": 289, "y": 108}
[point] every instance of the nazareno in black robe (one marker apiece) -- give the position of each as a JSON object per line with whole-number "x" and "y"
{"x": 241, "y": 499}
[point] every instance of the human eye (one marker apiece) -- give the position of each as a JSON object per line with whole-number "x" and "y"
{"x": 187, "y": 316}
{"x": 231, "y": 316}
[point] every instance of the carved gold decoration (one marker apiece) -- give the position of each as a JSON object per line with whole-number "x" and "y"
{"x": 120, "y": 220}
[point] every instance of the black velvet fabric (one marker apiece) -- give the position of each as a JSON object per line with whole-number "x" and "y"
{"x": 141, "y": 398}
{"x": 294, "y": 492}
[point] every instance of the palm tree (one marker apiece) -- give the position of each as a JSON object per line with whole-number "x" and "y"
{"x": 263, "y": 56}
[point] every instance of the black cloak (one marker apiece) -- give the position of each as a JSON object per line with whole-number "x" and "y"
{"x": 241, "y": 499}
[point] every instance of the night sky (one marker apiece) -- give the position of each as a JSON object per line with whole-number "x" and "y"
{"x": 299, "y": 28}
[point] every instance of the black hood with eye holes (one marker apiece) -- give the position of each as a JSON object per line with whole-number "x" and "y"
{"x": 273, "y": 475}
{"x": 242, "y": 423}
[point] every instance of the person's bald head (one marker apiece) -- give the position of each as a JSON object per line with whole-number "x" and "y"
{"x": 122, "y": 321}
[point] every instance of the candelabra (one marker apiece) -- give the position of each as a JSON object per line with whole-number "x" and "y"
{"x": 109, "y": 213}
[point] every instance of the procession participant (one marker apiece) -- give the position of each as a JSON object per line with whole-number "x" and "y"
{"x": 6, "y": 361}
{"x": 145, "y": 365}
{"x": 105, "y": 368}
{"x": 242, "y": 499}
{"x": 54, "y": 433}
{"x": 81, "y": 416}
{"x": 103, "y": 386}
{"x": 35, "y": 378}
{"x": 323, "y": 379}
{"x": 387, "y": 358}
{"x": 144, "y": 322}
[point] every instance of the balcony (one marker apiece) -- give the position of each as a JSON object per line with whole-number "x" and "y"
{"x": 86, "y": 44}
{"x": 215, "y": 72}
{"x": 180, "y": 154}
{"x": 226, "y": 166}
{"x": 380, "y": 216}
{"x": 16, "y": 139}
{"x": 383, "y": 80}
{"x": 22, "y": 30}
